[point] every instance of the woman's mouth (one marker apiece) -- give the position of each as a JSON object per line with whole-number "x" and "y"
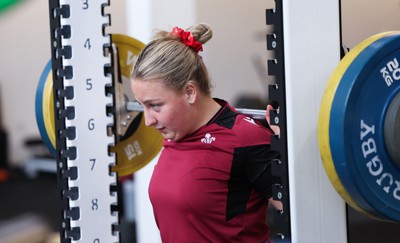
{"x": 161, "y": 130}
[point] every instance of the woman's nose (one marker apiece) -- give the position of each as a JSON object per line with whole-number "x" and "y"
{"x": 149, "y": 120}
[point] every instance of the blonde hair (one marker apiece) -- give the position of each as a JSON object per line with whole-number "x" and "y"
{"x": 168, "y": 59}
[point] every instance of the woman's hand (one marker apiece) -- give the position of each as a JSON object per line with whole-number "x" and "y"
{"x": 278, "y": 205}
{"x": 274, "y": 128}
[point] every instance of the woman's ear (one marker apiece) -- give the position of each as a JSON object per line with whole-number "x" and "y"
{"x": 191, "y": 92}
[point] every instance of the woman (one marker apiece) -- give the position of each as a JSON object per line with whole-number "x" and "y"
{"x": 213, "y": 180}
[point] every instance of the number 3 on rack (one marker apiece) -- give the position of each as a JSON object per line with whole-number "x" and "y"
{"x": 85, "y": 4}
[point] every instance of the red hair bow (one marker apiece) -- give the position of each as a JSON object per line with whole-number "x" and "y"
{"x": 187, "y": 39}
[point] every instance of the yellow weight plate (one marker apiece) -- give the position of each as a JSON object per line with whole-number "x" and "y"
{"x": 43, "y": 102}
{"x": 140, "y": 147}
{"x": 48, "y": 109}
{"x": 324, "y": 118}
{"x": 138, "y": 150}
{"x": 128, "y": 49}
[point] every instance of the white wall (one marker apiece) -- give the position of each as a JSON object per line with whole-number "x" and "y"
{"x": 364, "y": 18}
{"x": 24, "y": 51}
{"x": 237, "y": 54}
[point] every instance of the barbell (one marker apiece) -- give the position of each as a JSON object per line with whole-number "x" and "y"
{"x": 253, "y": 113}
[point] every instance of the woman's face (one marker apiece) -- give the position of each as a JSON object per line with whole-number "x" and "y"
{"x": 165, "y": 109}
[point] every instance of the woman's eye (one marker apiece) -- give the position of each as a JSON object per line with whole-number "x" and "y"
{"x": 155, "y": 107}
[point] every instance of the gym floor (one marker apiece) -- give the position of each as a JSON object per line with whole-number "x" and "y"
{"x": 23, "y": 197}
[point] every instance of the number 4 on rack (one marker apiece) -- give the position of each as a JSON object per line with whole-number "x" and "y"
{"x": 87, "y": 44}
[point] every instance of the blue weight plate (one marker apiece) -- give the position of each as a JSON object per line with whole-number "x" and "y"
{"x": 40, "y": 119}
{"x": 356, "y": 128}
